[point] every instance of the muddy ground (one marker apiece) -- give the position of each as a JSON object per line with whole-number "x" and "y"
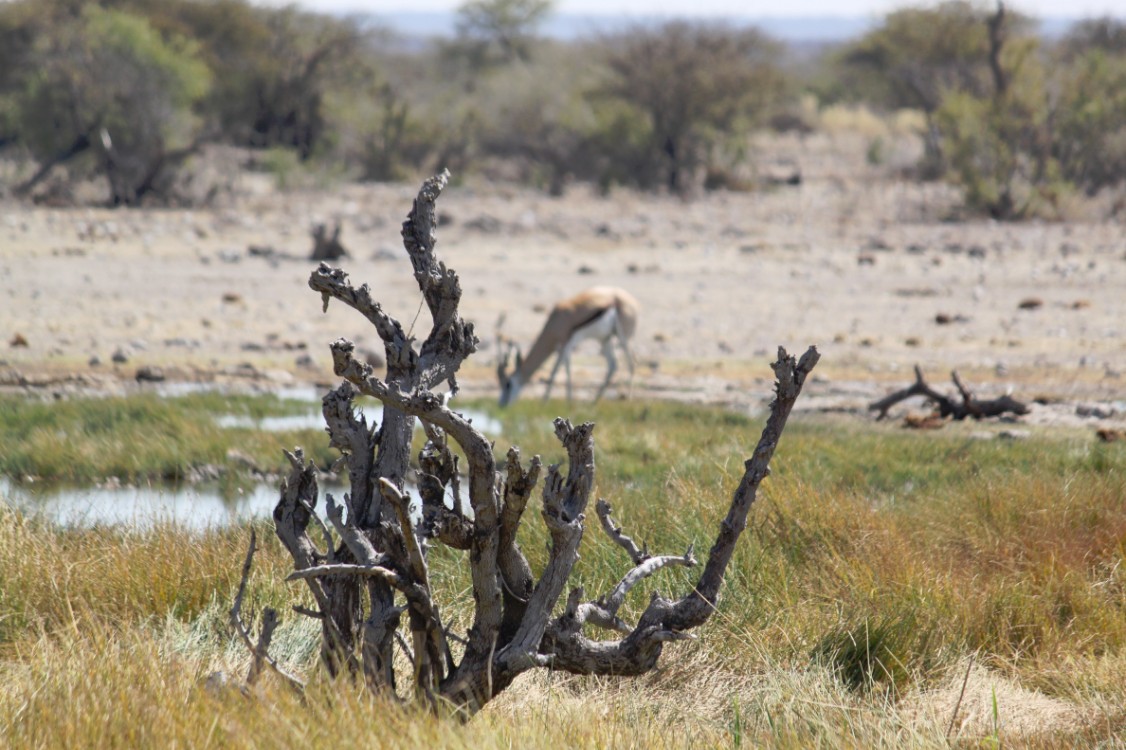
{"x": 867, "y": 267}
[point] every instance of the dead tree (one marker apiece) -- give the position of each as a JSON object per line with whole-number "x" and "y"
{"x": 371, "y": 567}
{"x": 948, "y": 407}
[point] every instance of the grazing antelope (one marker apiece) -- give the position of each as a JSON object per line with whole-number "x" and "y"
{"x": 603, "y": 313}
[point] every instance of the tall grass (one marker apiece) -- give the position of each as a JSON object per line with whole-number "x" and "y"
{"x": 875, "y": 564}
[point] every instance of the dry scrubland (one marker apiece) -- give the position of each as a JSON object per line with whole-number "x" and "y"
{"x": 886, "y": 569}
{"x": 852, "y": 260}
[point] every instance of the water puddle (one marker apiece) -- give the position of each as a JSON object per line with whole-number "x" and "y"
{"x": 198, "y": 506}
{"x": 195, "y": 506}
{"x": 314, "y": 420}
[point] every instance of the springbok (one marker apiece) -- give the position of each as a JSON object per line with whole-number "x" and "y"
{"x": 602, "y": 313}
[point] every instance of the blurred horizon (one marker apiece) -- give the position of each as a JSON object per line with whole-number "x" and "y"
{"x": 565, "y": 26}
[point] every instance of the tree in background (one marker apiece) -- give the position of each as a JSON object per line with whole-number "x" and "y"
{"x": 104, "y": 92}
{"x": 1089, "y": 114}
{"x": 499, "y": 31}
{"x": 918, "y": 56}
{"x": 686, "y": 88}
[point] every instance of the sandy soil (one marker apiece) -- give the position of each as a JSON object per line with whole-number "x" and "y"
{"x": 855, "y": 262}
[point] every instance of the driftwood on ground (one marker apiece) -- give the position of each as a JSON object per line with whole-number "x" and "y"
{"x": 947, "y": 406}
{"x": 367, "y": 564}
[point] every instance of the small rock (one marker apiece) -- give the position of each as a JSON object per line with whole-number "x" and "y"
{"x": 1095, "y": 411}
{"x": 1031, "y": 303}
{"x": 95, "y": 361}
{"x": 1014, "y": 434}
{"x": 18, "y": 341}
{"x": 232, "y": 298}
{"x": 865, "y": 259}
{"x": 149, "y": 374}
{"x": 120, "y": 357}
{"x": 1080, "y": 304}
{"x": 305, "y": 361}
{"x": 1108, "y": 435}
{"x": 585, "y": 270}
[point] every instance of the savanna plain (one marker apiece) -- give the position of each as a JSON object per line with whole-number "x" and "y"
{"x": 958, "y": 586}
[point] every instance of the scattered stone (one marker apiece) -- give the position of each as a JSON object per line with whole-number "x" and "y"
{"x": 1031, "y": 303}
{"x": 866, "y": 259}
{"x": 305, "y": 361}
{"x": 1014, "y": 434}
{"x": 95, "y": 361}
{"x": 878, "y": 243}
{"x": 976, "y": 251}
{"x": 229, "y": 256}
{"x": 585, "y": 270}
{"x": 659, "y": 337}
{"x": 119, "y": 356}
{"x": 19, "y": 340}
{"x": 607, "y": 231}
{"x": 1080, "y": 304}
{"x": 261, "y": 251}
{"x": 149, "y": 374}
{"x": 235, "y": 456}
{"x": 232, "y": 298}
{"x": 912, "y": 341}
{"x": 945, "y": 319}
{"x": 916, "y": 249}
{"x": 1095, "y": 411}
{"x": 1108, "y": 435}
{"x": 252, "y": 346}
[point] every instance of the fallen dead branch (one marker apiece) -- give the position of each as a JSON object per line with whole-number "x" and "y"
{"x": 947, "y": 407}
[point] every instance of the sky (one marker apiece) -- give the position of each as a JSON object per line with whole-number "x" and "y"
{"x": 716, "y": 8}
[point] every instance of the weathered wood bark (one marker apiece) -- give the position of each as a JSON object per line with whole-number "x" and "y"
{"x": 374, "y": 565}
{"x": 948, "y": 407}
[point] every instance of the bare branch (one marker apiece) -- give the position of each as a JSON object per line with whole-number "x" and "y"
{"x": 259, "y": 651}
{"x": 644, "y": 569}
{"x": 948, "y": 407}
{"x": 615, "y": 533}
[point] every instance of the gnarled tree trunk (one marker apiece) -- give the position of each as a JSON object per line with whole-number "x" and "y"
{"x": 373, "y": 567}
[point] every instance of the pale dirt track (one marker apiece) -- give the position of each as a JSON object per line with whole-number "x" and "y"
{"x": 854, "y": 263}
